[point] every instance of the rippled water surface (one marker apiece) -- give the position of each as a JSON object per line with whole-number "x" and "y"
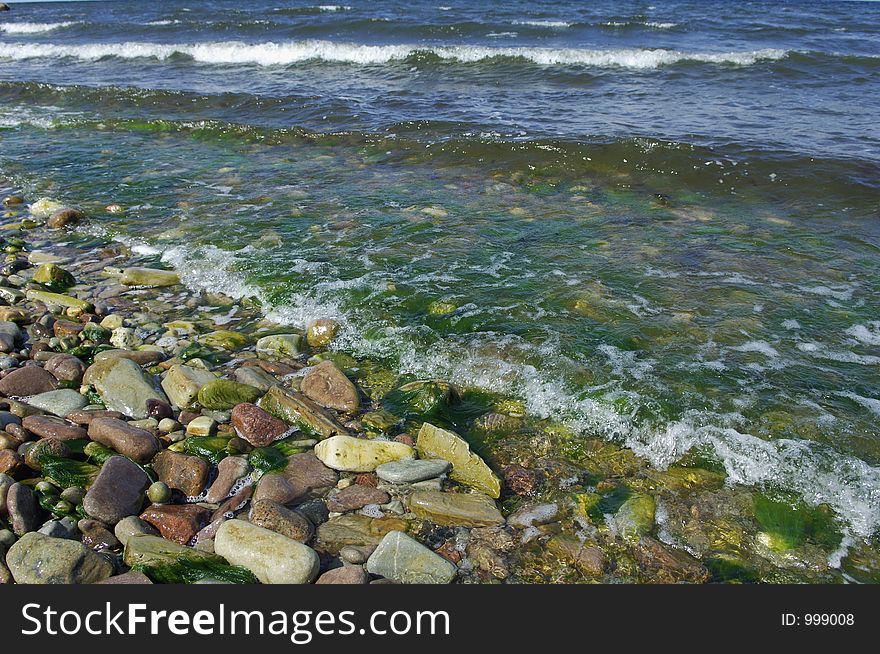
{"x": 655, "y": 221}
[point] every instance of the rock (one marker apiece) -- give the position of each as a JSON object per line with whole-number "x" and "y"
{"x": 635, "y": 517}
{"x": 588, "y": 559}
{"x": 84, "y": 417}
{"x": 155, "y": 550}
{"x": 133, "y": 526}
{"x": 26, "y": 381}
{"x": 223, "y": 394}
{"x": 296, "y": 409}
{"x": 356, "y": 497}
{"x": 405, "y": 560}
{"x": 467, "y": 467}
{"x": 409, "y": 471}
{"x": 11, "y": 199}
{"x": 256, "y": 426}
{"x": 23, "y": 510}
{"x": 58, "y": 299}
{"x": 148, "y": 277}
{"x": 96, "y": 536}
{"x": 347, "y": 574}
{"x": 133, "y": 442}
{"x": 53, "y": 277}
{"x": 668, "y": 565}
{"x": 533, "y": 514}
{"x": 188, "y": 474}
{"x": 229, "y": 471}
{"x": 123, "y": 386}
{"x": 273, "y": 558}
{"x": 11, "y": 462}
{"x": 329, "y": 387}
{"x": 280, "y": 345}
{"x": 52, "y": 427}
{"x": 177, "y": 522}
{"x": 117, "y": 492}
{"x": 321, "y": 332}
{"x": 125, "y": 338}
{"x": 64, "y": 528}
{"x": 60, "y": 402}
{"x": 65, "y": 367}
{"x": 225, "y": 339}
{"x": 10, "y": 335}
{"x": 277, "y": 488}
{"x": 456, "y": 509}
{"x": 278, "y": 518}
{"x": 360, "y": 455}
{"x": 127, "y": 578}
{"x": 140, "y": 357}
{"x": 354, "y": 529}
{"x": 39, "y": 559}
{"x": 51, "y": 446}
{"x": 256, "y": 377}
{"x": 355, "y": 555}
{"x": 64, "y": 217}
{"x": 66, "y": 328}
{"x": 183, "y": 383}
{"x": 305, "y": 471}
{"x": 521, "y": 481}
{"x": 201, "y": 426}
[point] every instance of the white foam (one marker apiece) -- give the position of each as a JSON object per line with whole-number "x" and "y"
{"x": 761, "y": 347}
{"x": 34, "y": 28}
{"x": 868, "y": 402}
{"x": 868, "y": 334}
{"x": 285, "y": 54}
{"x": 554, "y": 24}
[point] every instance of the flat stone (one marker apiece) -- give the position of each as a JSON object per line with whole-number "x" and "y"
{"x": 533, "y": 514}
{"x": 188, "y": 474}
{"x": 183, "y": 383}
{"x": 117, "y": 492}
{"x": 224, "y": 394}
{"x": 273, "y": 558}
{"x": 356, "y": 497}
{"x": 140, "y": 357}
{"x": 123, "y": 386}
{"x": 60, "y": 402}
{"x": 347, "y": 574}
{"x": 58, "y": 299}
{"x": 133, "y": 442}
{"x": 155, "y": 550}
{"x": 278, "y": 518}
{"x": 127, "y": 578}
{"x": 354, "y": 529}
{"x": 305, "y": 471}
{"x": 359, "y": 454}
{"x": 229, "y": 471}
{"x": 148, "y": 277}
{"x": 39, "y": 559}
{"x": 467, "y": 467}
{"x": 84, "y": 417}
{"x": 256, "y": 377}
{"x": 405, "y": 560}
{"x": 329, "y": 387}
{"x": 177, "y": 522}
{"x": 133, "y": 526}
{"x": 52, "y": 427}
{"x": 409, "y": 471}
{"x": 256, "y": 426}
{"x": 296, "y": 409}
{"x": 456, "y": 509}
{"x": 27, "y": 381}
{"x": 24, "y": 512}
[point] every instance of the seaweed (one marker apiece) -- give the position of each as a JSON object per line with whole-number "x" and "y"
{"x": 67, "y": 472}
{"x": 791, "y": 522}
{"x": 212, "y": 448}
{"x": 288, "y": 447}
{"x": 97, "y": 452}
{"x": 264, "y": 459}
{"x": 186, "y": 570}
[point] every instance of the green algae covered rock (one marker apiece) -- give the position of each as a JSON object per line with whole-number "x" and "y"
{"x": 225, "y": 340}
{"x": 284, "y": 345}
{"x": 635, "y": 517}
{"x": 53, "y": 277}
{"x": 123, "y": 386}
{"x": 58, "y": 299}
{"x": 223, "y": 394}
{"x": 148, "y": 277}
{"x": 296, "y": 409}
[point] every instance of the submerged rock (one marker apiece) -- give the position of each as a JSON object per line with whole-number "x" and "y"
{"x": 467, "y": 467}
{"x": 273, "y": 558}
{"x": 409, "y": 471}
{"x": 456, "y": 509}
{"x": 297, "y": 410}
{"x": 405, "y": 560}
{"x": 354, "y": 529}
{"x": 148, "y": 277}
{"x": 321, "y": 332}
{"x": 635, "y": 517}
{"x": 281, "y": 345}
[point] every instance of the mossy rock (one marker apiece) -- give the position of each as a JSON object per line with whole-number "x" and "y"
{"x": 223, "y": 394}
{"x": 344, "y": 362}
{"x": 635, "y": 517}
{"x": 225, "y": 340}
{"x": 424, "y": 400}
{"x": 380, "y": 423}
{"x": 441, "y": 308}
{"x": 787, "y": 523}
{"x": 53, "y": 277}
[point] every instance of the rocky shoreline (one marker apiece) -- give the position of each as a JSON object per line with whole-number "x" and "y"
{"x": 155, "y": 435}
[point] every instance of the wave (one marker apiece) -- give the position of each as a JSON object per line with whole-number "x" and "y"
{"x": 34, "y": 28}
{"x": 543, "y": 23}
{"x": 285, "y": 54}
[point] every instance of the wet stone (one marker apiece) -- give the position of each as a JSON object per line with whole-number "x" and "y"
{"x": 177, "y": 522}
{"x": 52, "y": 427}
{"x": 278, "y": 518}
{"x": 117, "y": 492}
{"x": 355, "y": 497}
{"x": 188, "y": 474}
{"x": 133, "y": 442}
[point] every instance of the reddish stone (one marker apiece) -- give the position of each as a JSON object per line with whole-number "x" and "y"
{"x": 177, "y": 522}
{"x": 256, "y": 426}
{"x": 347, "y": 574}
{"x": 356, "y": 497}
{"x": 520, "y": 480}
{"x": 367, "y": 479}
{"x": 51, "y": 427}
{"x": 29, "y": 380}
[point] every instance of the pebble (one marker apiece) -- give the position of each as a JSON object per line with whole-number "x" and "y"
{"x": 413, "y": 470}
{"x": 355, "y": 497}
{"x": 359, "y": 454}
{"x": 188, "y": 474}
{"x": 403, "y": 559}
{"x": 272, "y": 557}
{"x": 39, "y": 559}
{"x": 133, "y": 442}
{"x": 177, "y": 522}
{"x": 278, "y": 518}
{"x": 117, "y": 492}
{"x": 256, "y": 426}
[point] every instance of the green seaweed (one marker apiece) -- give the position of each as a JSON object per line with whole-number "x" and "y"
{"x": 264, "y": 459}
{"x": 790, "y": 522}
{"x": 212, "y": 448}
{"x": 67, "y": 472}
{"x": 187, "y": 571}
{"x": 97, "y": 452}
{"x": 286, "y": 446}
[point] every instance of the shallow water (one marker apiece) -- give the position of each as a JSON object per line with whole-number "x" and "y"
{"x": 656, "y": 222}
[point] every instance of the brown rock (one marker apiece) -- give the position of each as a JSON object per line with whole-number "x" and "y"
{"x": 306, "y": 471}
{"x": 347, "y": 574}
{"x": 10, "y": 462}
{"x": 667, "y": 565}
{"x": 588, "y": 559}
{"x": 118, "y": 491}
{"x": 65, "y": 367}
{"x": 229, "y": 471}
{"x": 84, "y": 417}
{"x": 488, "y": 560}
{"x": 26, "y": 381}
{"x": 96, "y": 536}
{"x": 355, "y": 497}
{"x": 133, "y": 442}
{"x": 278, "y": 518}
{"x": 188, "y": 474}
{"x": 278, "y": 488}
{"x": 24, "y": 512}
{"x": 273, "y": 367}
{"x": 354, "y": 529}
{"x": 62, "y": 328}
{"x": 52, "y": 427}
{"x": 256, "y": 426}
{"x": 329, "y": 387}
{"x": 367, "y": 479}
{"x": 128, "y": 578}
{"x": 177, "y": 522}
{"x": 520, "y": 480}
{"x": 64, "y": 217}
{"x": 233, "y": 504}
